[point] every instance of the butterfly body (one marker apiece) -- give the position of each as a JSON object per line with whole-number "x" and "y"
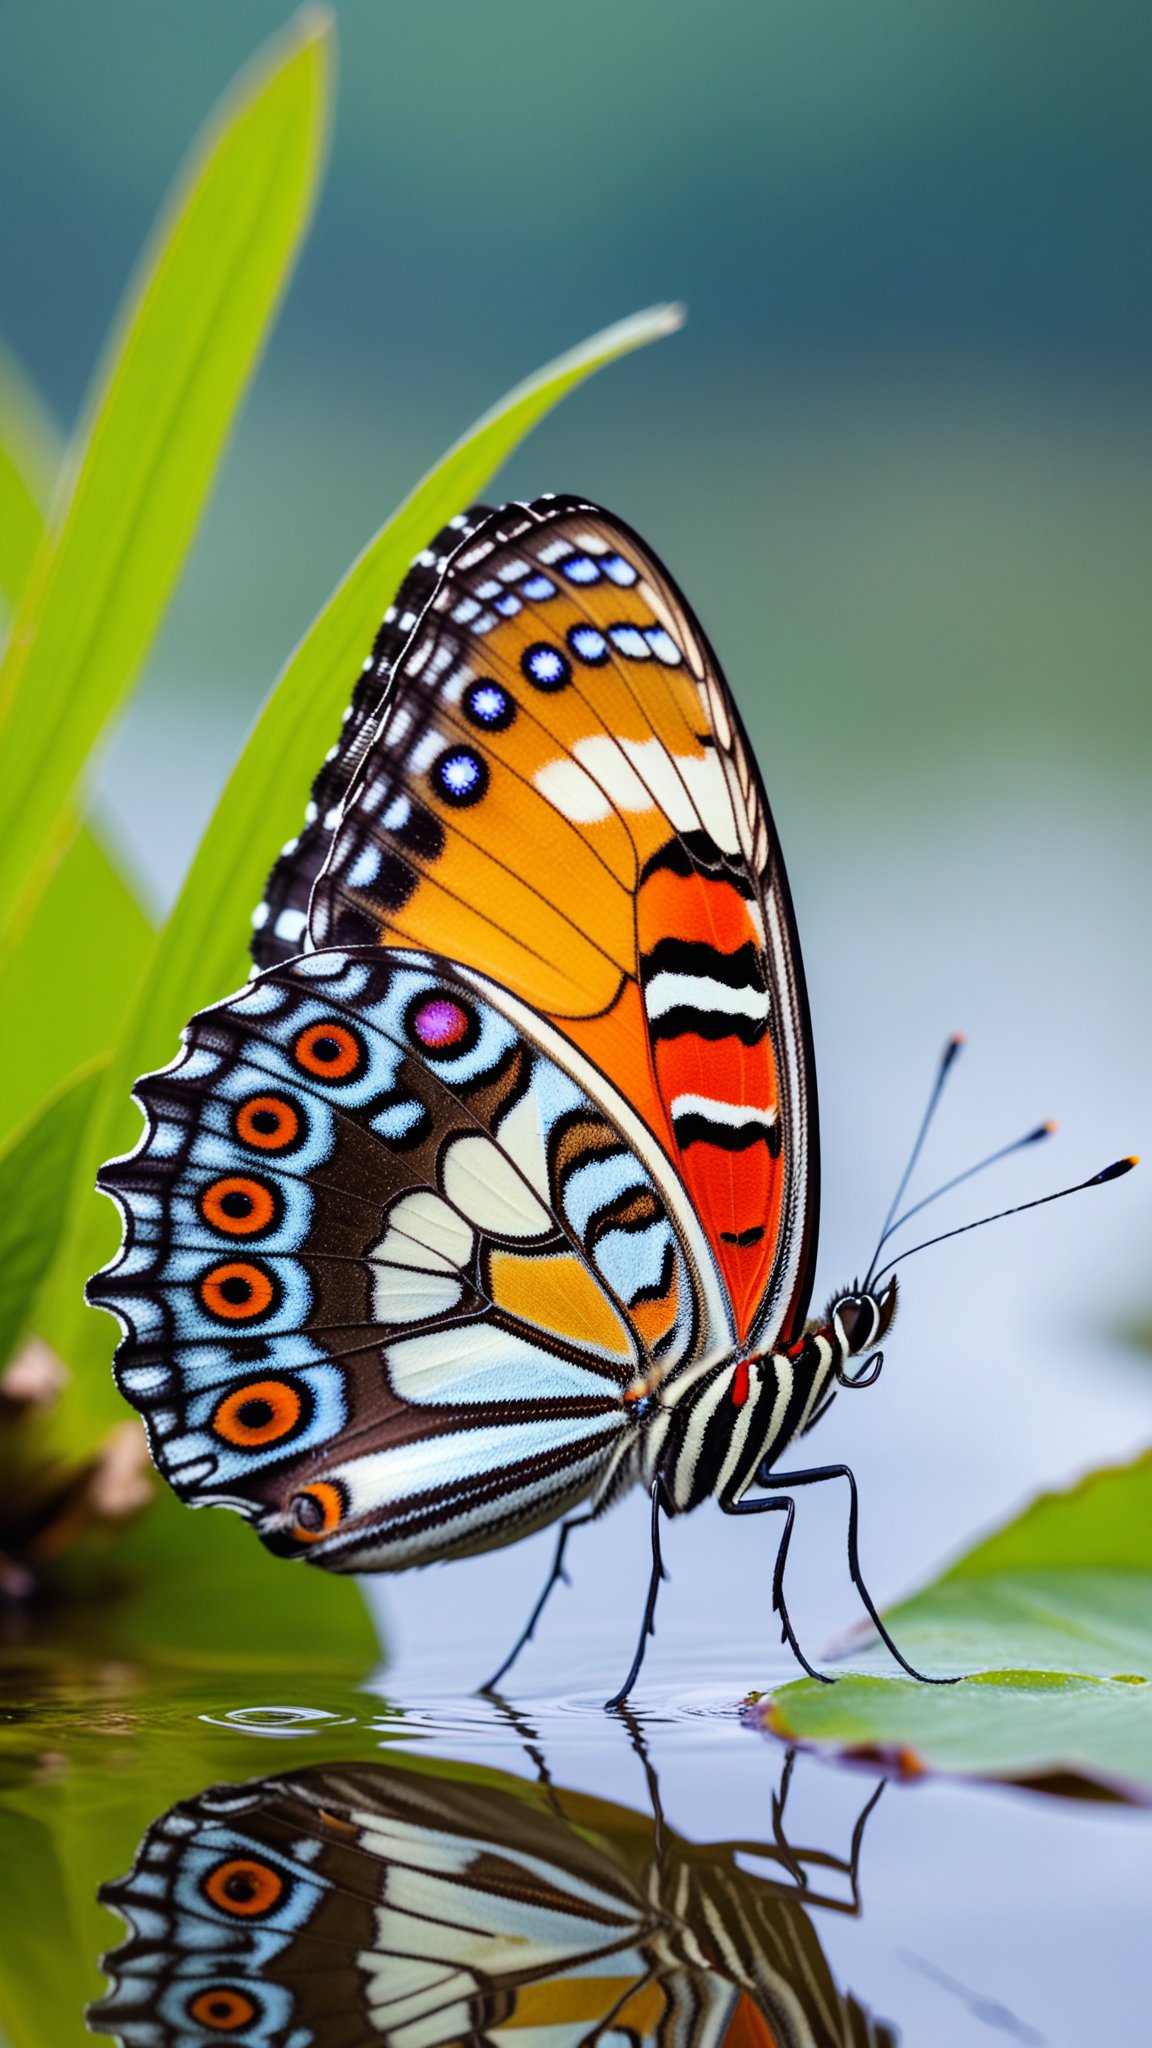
{"x": 496, "y": 1191}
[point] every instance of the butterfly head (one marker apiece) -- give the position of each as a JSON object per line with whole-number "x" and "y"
{"x": 860, "y": 1317}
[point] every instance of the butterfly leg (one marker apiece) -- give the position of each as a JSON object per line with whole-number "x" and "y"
{"x": 648, "y": 1625}
{"x": 787, "y": 1508}
{"x": 557, "y": 1572}
{"x": 811, "y": 1477}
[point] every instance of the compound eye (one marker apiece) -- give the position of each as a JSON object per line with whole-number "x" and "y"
{"x": 856, "y": 1315}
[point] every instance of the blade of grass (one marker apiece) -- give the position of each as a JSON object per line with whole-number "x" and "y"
{"x": 30, "y": 456}
{"x": 201, "y": 954}
{"x": 36, "y": 1168}
{"x": 180, "y": 361}
{"x": 90, "y": 933}
{"x": 89, "y": 930}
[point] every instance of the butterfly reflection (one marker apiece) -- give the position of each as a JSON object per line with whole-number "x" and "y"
{"x": 413, "y": 1906}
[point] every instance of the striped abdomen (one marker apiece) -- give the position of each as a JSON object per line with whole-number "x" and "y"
{"x": 725, "y": 1426}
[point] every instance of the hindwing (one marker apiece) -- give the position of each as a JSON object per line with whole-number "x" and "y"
{"x": 554, "y": 789}
{"x": 393, "y": 1281}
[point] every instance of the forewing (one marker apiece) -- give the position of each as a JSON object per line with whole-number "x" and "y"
{"x": 556, "y": 792}
{"x": 391, "y": 1278}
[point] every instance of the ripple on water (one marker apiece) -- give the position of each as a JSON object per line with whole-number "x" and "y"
{"x": 280, "y": 1721}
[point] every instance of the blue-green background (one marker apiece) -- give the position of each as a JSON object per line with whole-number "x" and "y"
{"x": 901, "y": 453}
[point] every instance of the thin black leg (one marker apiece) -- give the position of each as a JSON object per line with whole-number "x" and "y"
{"x": 811, "y": 1477}
{"x": 529, "y": 1629}
{"x": 648, "y": 1625}
{"x": 788, "y": 1509}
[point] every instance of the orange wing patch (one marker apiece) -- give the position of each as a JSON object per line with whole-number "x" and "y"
{"x": 557, "y": 1293}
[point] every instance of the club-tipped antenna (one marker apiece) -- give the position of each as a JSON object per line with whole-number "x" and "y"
{"x": 1113, "y": 1172}
{"x": 946, "y": 1058}
{"x": 1005, "y": 1152}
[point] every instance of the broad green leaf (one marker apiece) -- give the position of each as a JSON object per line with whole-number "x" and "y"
{"x": 30, "y": 457}
{"x": 36, "y": 1169}
{"x": 202, "y": 951}
{"x": 201, "y": 1589}
{"x": 1051, "y": 1620}
{"x": 181, "y": 358}
{"x": 90, "y": 934}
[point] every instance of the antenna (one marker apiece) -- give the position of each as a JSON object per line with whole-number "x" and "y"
{"x": 1005, "y": 1152}
{"x": 946, "y": 1058}
{"x": 1113, "y": 1172}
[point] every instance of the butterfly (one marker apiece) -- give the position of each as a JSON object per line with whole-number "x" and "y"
{"x": 495, "y": 1192}
{"x": 333, "y": 1906}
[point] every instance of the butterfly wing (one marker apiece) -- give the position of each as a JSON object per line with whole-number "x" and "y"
{"x": 392, "y": 1278}
{"x": 555, "y": 790}
{"x": 280, "y": 922}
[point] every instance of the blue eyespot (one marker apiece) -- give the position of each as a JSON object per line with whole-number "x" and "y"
{"x": 630, "y": 640}
{"x": 545, "y": 666}
{"x": 489, "y": 706}
{"x": 580, "y": 569}
{"x": 459, "y": 776}
{"x": 588, "y": 645}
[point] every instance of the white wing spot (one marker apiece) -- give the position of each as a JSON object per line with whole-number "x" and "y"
{"x": 485, "y": 1186}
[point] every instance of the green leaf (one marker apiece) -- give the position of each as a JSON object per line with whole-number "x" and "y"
{"x": 36, "y": 1170}
{"x": 1051, "y": 1621}
{"x": 181, "y": 358}
{"x": 200, "y": 1590}
{"x": 88, "y": 933}
{"x": 202, "y": 951}
{"x": 89, "y": 929}
{"x": 29, "y": 461}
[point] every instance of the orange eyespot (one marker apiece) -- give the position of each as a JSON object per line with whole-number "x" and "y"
{"x": 238, "y": 1206}
{"x": 258, "y": 1414}
{"x": 268, "y": 1122}
{"x": 237, "y": 1292}
{"x": 222, "y": 2009}
{"x": 328, "y": 1050}
{"x": 317, "y": 1510}
{"x": 243, "y": 1886}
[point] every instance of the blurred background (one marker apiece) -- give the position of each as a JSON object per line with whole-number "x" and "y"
{"x": 900, "y": 457}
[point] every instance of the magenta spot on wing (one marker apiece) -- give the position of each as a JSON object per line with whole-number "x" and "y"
{"x": 440, "y": 1022}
